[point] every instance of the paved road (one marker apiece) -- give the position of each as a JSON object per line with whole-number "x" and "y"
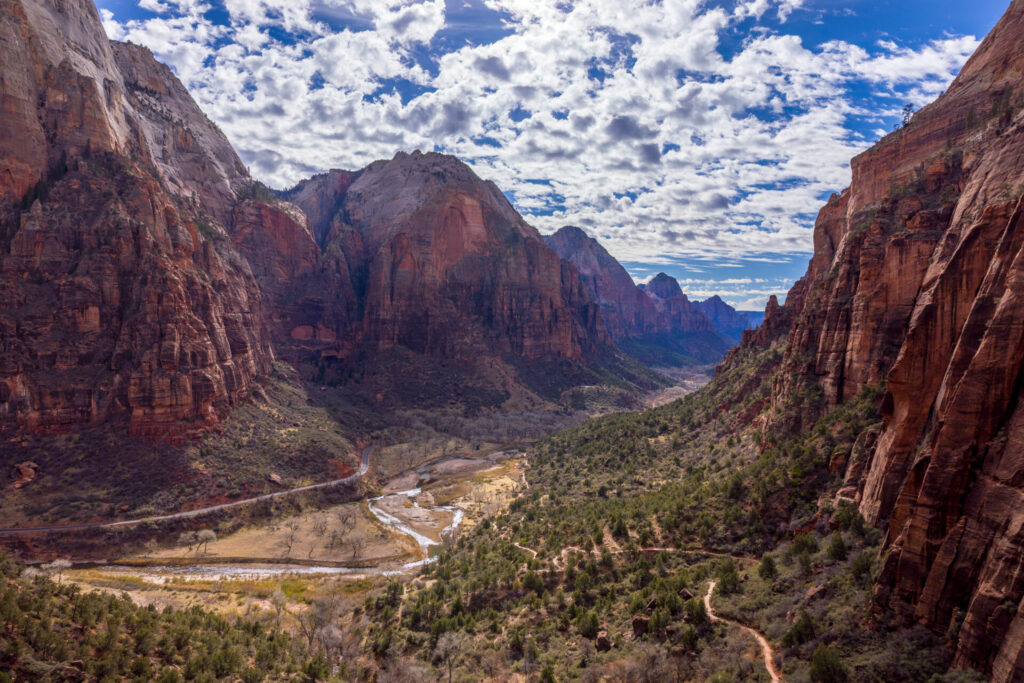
{"x": 364, "y": 465}
{"x": 766, "y": 648}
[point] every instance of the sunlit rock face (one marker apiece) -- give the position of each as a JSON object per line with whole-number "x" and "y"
{"x": 442, "y": 264}
{"x": 125, "y": 298}
{"x": 917, "y": 281}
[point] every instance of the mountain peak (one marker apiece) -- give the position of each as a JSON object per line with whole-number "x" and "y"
{"x": 664, "y": 286}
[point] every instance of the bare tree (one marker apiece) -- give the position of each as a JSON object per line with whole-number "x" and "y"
{"x": 204, "y": 538}
{"x": 279, "y": 600}
{"x": 401, "y": 670}
{"x": 188, "y": 539}
{"x": 57, "y": 567}
{"x": 357, "y": 544}
{"x": 331, "y": 639}
{"x": 449, "y": 649}
{"x": 320, "y": 527}
{"x": 291, "y": 530}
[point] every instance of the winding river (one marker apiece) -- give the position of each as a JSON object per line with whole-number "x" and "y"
{"x": 214, "y": 572}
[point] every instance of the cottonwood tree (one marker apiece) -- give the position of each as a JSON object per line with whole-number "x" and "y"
{"x": 188, "y": 539}
{"x": 449, "y": 649}
{"x": 279, "y": 601}
{"x": 57, "y": 567}
{"x": 291, "y": 530}
{"x": 204, "y": 538}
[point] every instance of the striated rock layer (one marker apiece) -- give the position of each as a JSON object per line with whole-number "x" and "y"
{"x": 658, "y": 314}
{"x": 441, "y": 264}
{"x": 124, "y": 297}
{"x": 917, "y": 281}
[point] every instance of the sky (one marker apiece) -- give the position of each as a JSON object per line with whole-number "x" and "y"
{"x": 694, "y": 137}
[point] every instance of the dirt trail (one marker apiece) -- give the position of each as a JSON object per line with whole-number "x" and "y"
{"x": 529, "y": 550}
{"x": 766, "y": 648}
{"x": 364, "y": 465}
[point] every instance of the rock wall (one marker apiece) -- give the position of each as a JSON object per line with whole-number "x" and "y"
{"x": 124, "y": 298}
{"x": 441, "y": 264}
{"x": 917, "y": 281}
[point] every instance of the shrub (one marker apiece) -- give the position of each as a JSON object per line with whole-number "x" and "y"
{"x": 826, "y": 665}
{"x": 805, "y": 543}
{"x": 861, "y": 566}
{"x": 767, "y": 569}
{"x": 801, "y": 632}
{"x": 837, "y": 547}
{"x": 587, "y": 624}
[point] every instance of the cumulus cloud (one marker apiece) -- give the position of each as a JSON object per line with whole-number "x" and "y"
{"x": 642, "y": 126}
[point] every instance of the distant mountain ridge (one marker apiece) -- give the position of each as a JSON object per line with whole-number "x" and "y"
{"x": 655, "y": 322}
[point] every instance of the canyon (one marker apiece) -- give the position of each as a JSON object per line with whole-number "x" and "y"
{"x": 915, "y": 287}
{"x": 152, "y": 282}
{"x": 153, "y": 287}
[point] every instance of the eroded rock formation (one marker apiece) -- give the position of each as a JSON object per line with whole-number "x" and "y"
{"x": 658, "y": 314}
{"x": 442, "y": 264}
{"x": 124, "y": 299}
{"x": 917, "y": 281}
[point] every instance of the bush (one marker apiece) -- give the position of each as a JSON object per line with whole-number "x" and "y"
{"x": 801, "y": 632}
{"x": 861, "y": 566}
{"x": 837, "y": 547}
{"x": 728, "y": 577}
{"x": 587, "y": 624}
{"x": 826, "y": 665}
{"x": 805, "y": 544}
{"x": 767, "y": 569}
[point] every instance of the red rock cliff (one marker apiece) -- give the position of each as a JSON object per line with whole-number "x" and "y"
{"x": 917, "y": 281}
{"x": 443, "y": 265}
{"x": 124, "y": 298}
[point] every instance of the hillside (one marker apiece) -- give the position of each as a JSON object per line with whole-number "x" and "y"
{"x": 666, "y": 330}
{"x": 158, "y": 297}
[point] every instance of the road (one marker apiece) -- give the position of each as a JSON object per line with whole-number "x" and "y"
{"x": 364, "y": 465}
{"x": 766, "y": 648}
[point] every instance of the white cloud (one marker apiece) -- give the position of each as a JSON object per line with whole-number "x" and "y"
{"x": 648, "y": 136}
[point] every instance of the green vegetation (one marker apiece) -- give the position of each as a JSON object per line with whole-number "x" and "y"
{"x": 630, "y": 515}
{"x": 53, "y": 631}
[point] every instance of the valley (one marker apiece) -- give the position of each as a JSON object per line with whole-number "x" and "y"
{"x": 376, "y": 427}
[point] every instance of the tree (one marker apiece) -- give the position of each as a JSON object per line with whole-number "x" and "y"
{"x": 908, "y": 113}
{"x": 861, "y": 566}
{"x": 316, "y": 668}
{"x": 291, "y": 531}
{"x": 187, "y": 539}
{"x": 279, "y": 600}
{"x": 204, "y": 538}
{"x": 57, "y": 567}
{"x": 837, "y": 547}
{"x": 728, "y": 576}
{"x": 587, "y": 624}
{"x": 767, "y": 570}
{"x": 801, "y": 632}
{"x": 449, "y": 648}
{"x": 826, "y": 665}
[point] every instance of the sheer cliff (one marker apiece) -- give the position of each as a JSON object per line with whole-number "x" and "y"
{"x": 642, "y": 320}
{"x": 124, "y": 297}
{"x": 916, "y": 284}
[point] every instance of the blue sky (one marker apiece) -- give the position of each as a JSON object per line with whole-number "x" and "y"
{"x": 695, "y": 137}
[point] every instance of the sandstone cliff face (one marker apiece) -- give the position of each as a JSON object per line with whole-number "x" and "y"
{"x": 124, "y": 298}
{"x": 680, "y": 315}
{"x": 724, "y": 318}
{"x": 637, "y": 319}
{"x": 626, "y": 310}
{"x": 443, "y": 265}
{"x": 917, "y": 281}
